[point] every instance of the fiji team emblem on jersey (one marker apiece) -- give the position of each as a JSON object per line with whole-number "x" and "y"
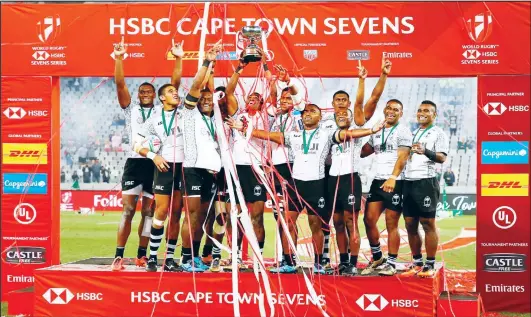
{"x": 257, "y": 190}
{"x": 351, "y": 199}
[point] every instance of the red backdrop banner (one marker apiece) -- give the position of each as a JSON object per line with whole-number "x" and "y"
{"x": 27, "y": 159}
{"x": 503, "y": 236}
{"x": 323, "y": 39}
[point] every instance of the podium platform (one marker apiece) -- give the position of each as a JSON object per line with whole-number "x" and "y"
{"x": 84, "y": 289}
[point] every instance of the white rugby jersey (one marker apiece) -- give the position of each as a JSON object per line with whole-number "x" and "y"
{"x": 282, "y": 123}
{"x": 386, "y": 156}
{"x": 135, "y": 118}
{"x": 200, "y": 140}
{"x": 244, "y": 150}
{"x": 172, "y": 145}
{"x": 433, "y": 139}
{"x": 348, "y": 161}
{"x": 310, "y": 166}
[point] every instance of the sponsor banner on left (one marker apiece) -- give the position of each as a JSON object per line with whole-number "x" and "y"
{"x": 25, "y": 153}
{"x": 21, "y": 257}
{"x": 25, "y": 183}
{"x": 99, "y": 200}
{"x": 26, "y": 214}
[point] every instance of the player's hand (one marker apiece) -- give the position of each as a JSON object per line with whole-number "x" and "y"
{"x": 177, "y": 49}
{"x": 418, "y": 148}
{"x": 234, "y": 124}
{"x": 362, "y": 71}
{"x": 242, "y": 62}
{"x": 262, "y": 55}
{"x": 282, "y": 74}
{"x": 378, "y": 126}
{"x": 212, "y": 53}
{"x": 386, "y": 65}
{"x": 161, "y": 163}
{"x": 389, "y": 185}
{"x": 120, "y": 49}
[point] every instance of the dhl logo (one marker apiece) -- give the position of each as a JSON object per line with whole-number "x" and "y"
{"x": 505, "y": 185}
{"x": 189, "y": 55}
{"x": 25, "y": 153}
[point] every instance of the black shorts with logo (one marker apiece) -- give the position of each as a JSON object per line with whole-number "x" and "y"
{"x": 165, "y": 181}
{"x": 198, "y": 182}
{"x": 421, "y": 198}
{"x": 221, "y": 184}
{"x": 391, "y": 201}
{"x": 138, "y": 171}
{"x": 312, "y": 196}
{"x": 348, "y": 192}
{"x": 252, "y": 188}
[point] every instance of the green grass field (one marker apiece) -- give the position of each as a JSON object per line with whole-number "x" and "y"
{"x": 95, "y": 236}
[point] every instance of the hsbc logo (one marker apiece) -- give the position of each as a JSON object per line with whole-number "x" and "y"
{"x": 19, "y": 113}
{"x": 372, "y": 302}
{"x": 49, "y": 28}
{"x": 480, "y": 27}
{"x": 471, "y": 54}
{"x": 494, "y": 108}
{"x": 60, "y": 296}
{"x": 40, "y": 55}
{"x": 376, "y": 302}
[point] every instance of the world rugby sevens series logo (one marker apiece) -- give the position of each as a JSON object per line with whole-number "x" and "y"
{"x": 49, "y": 28}
{"x": 480, "y": 27}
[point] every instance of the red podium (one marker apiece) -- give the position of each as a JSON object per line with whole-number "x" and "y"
{"x": 72, "y": 290}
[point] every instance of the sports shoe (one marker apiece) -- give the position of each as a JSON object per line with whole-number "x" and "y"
{"x": 373, "y": 265}
{"x": 427, "y": 271}
{"x": 318, "y": 269}
{"x": 387, "y": 270}
{"x": 141, "y": 262}
{"x": 207, "y": 259}
{"x": 200, "y": 264}
{"x": 350, "y": 270}
{"x": 412, "y": 270}
{"x": 151, "y": 265}
{"x": 284, "y": 268}
{"x": 171, "y": 266}
{"x": 342, "y": 267}
{"x": 188, "y": 267}
{"x": 215, "y": 266}
{"x": 117, "y": 264}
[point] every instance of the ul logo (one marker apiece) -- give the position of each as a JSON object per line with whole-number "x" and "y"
{"x": 504, "y": 217}
{"x": 25, "y": 213}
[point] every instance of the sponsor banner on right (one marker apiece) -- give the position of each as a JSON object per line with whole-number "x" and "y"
{"x": 503, "y": 237}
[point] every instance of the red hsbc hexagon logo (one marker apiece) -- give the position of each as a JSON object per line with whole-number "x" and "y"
{"x": 60, "y": 296}
{"x": 372, "y": 302}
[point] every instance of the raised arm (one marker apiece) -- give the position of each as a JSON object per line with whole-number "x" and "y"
{"x": 177, "y": 52}
{"x": 359, "y": 116}
{"x": 195, "y": 90}
{"x": 370, "y": 106}
{"x": 124, "y": 97}
{"x": 210, "y": 83}
{"x": 284, "y": 81}
{"x": 232, "y": 102}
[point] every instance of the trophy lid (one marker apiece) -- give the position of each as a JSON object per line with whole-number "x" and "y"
{"x": 251, "y": 31}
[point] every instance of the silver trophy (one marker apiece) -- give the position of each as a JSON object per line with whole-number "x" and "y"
{"x": 253, "y": 34}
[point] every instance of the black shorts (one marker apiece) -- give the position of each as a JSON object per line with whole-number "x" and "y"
{"x": 282, "y": 177}
{"x": 221, "y": 184}
{"x": 138, "y": 177}
{"x": 165, "y": 181}
{"x": 199, "y": 182}
{"x": 348, "y": 192}
{"x": 252, "y": 188}
{"x": 421, "y": 198}
{"x": 313, "y": 196}
{"x": 391, "y": 201}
